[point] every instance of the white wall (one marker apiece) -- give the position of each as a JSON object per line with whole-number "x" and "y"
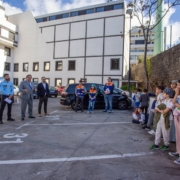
{"x": 38, "y": 46}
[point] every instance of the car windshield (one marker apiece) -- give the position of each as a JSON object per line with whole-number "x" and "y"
{"x": 52, "y": 88}
{"x": 118, "y": 90}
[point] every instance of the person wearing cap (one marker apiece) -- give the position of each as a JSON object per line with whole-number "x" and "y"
{"x": 174, "y": 84}
{"x": 92, "y": 98}
{"x": 163, "y": 117}
{"x": 108, "y": 94}
{"x": 80, "y": 90}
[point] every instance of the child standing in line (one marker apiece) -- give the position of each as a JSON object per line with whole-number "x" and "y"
{"x": 144, "y": 100}
{"x": 163, "y": 117}
{"x": 176, "y": 113}
{"x": 159, "y": 99}
{"x": 137, "y": 97}
{"x": 92, "y": 98}
{"x": 140, "y": 120}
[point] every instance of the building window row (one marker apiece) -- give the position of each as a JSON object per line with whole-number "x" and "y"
{"x": 82, "y": 12}
{"x": 114, "y": 64}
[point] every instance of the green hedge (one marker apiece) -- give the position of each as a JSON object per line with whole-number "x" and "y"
{"x": 125, "y": 88}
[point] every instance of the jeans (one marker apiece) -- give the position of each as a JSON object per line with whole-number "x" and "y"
{"x": 108, "y": 100}
{"x": 91, "y": 104}
{"x": 78, "y": 98}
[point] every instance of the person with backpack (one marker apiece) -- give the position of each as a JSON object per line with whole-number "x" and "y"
{"x": 92, "y": 98}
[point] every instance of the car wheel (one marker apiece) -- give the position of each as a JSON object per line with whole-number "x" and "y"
{"x": 122, "y": 105}
{"x": 73, "y": 105}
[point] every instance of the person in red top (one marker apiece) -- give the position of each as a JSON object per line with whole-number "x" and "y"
{"x": 79, "y": 92}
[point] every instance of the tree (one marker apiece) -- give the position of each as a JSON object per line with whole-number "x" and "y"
{"x": 149, "y": 16}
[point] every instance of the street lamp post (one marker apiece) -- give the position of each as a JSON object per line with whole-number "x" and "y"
{"x": 129, "y": 11}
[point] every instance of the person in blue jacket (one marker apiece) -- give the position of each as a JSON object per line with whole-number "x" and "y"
{"x": 108, "y": 94}
{"x": 7, "y": 91}
{"x": 92, "y": 98}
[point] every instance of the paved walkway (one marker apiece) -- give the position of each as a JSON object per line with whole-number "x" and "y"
{"x": 80, "y": 146}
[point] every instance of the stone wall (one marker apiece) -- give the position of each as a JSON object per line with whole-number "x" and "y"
{"x": 165, "y": 68}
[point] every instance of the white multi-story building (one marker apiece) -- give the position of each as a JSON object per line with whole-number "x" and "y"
{"x": 89, "y": 43}
{"x": 137, "y": 45}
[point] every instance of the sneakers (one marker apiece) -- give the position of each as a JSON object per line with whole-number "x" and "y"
{"x": 147, "y": 128}
{"x": 110, "y": 112}
{"x": 88, "y": 112}
{"x": 154, "y": 147}
{"x": 164, "y": 148}
{"x": 144, "y": 127}
{"x": 173, "y": 154}
{"x": 92, "y": 112}
{"x": 177, "y": 161}
{"x": 104, "y": 111}
{"x": 152, "y": 132}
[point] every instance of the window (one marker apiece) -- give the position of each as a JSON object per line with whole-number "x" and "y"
{"x": 58, "y": 66}
{"x": 46, "y": 66}
{"x": 108, "y": 8}
{"x": 7, "y": 66}
{"x": 36, "y": 66}
{"x": 24, "y": 79}
{"x": 41, "y": 20}
{"x": 71, "y": 80}
{"x": 139, "y": 42}
{"x": 65, "y": 15}
{"x": 11, "y": 36}
{"x": 118, "y": 6}
{"x": 84, "y": 80}
{"x": 15, "y": 81}
{"x": 16, "y": 67}
{"x": 100, "y": 9}
{"x": 82, "y": 12}
{"x": 72, "y": 65}
{"x": 52, "y": 18}
{"x": 25, "y": 67}
{"x": 58, "y": 82}
{"x": 35, "y": 80}
{"x": 74, "y": 14}
{"x": 89, "y": 11}
{"x": 59, "y": 16}
{"x": 116, "y": 83}
{"x": 114, "y": 64}
{"x": 7, "y": 51}
{"x": 48, "y": 80}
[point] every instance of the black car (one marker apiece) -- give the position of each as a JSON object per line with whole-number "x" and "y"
{"x": 53, "y": 91}
{"x": 68, "y": 97}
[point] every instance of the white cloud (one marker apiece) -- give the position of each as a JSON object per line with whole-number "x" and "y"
{"x": 11, "y": 9}
{"x": 40, "y": 7}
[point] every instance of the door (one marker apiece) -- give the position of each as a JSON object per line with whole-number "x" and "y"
{"x": 116, "y": 83}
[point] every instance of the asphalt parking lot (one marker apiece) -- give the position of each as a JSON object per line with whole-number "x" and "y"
{"x": 78, "y": 146}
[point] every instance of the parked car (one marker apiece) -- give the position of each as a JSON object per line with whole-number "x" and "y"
{"x": 68, "y": 98}
{"x": 60, "y": 89}
{"x": 53, "y": 91}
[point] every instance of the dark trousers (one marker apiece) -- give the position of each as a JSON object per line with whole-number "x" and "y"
{"x": 145, "y": 109}
{"x": 82, "y": 102}
{"x": 3, "y": 105}
{"x": 41, "y": 101}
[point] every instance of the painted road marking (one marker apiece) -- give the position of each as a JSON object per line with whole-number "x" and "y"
{"x": 85, "y": 158}
{"x": 25, "y": 125}
{"x": 53, "y": 112}
{"x": 13, "y": 135}
{"x": 11, "y": 142}
{"x": 78, "y": 124}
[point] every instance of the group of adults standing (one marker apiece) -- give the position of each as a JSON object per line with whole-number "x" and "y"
{"x": 27, "y": 89}
{"x": 80, "y": 91}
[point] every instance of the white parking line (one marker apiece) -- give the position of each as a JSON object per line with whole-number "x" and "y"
{"x": 77, "y": 124}
{"x": 25, "y": 125}
{"x": 85, "y": 158}
{"x": 53, "y": 112}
